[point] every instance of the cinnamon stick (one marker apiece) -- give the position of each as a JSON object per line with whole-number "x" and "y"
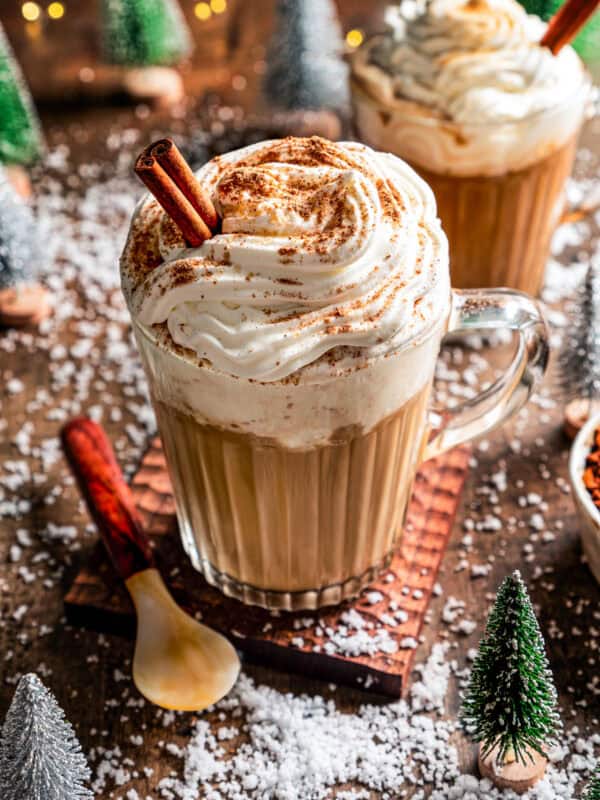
{"x": 181, "y": 198}
{"x": 567, "y": 22}
{"x": 166, "y": 152}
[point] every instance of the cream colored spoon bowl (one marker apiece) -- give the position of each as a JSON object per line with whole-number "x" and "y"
{"x": 178, "y": 662}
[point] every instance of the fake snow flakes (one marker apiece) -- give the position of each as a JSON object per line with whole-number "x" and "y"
{"x": 300, "y": 747}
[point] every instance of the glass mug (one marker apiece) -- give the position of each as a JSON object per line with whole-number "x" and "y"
{"x": 308, "y": 517}
{"x": 499, "y": 219}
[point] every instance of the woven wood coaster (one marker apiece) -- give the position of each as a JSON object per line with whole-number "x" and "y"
{"x": 372, "y": 648}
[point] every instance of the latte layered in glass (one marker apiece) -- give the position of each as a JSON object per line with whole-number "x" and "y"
{"x": 488, "y": 117}
{"x": 290, "y": 360}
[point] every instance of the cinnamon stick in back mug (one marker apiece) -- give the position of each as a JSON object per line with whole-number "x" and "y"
{"x": 467, "y": 92}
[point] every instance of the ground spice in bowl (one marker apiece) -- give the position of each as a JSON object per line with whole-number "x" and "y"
{"x": 591, "y": 473}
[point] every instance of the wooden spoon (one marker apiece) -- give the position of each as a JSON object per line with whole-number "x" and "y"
{"x": 178, "y": 663}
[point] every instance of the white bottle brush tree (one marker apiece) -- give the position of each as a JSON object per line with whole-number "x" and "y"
{"x": 580, "y": 358}
{"x": 510, "y": 705}
{"x": 23, "y": 300}
{"x": 40, "y": 757}
{"x": 20, "y": 254}
{"x": 21, "y": 140}
{"x": 305, "y": 67}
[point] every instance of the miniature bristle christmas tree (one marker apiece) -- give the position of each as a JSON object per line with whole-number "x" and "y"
{"x": 21, "y": 139}
{"x": 19, "y": 250}
{"x": 510, "y": 704}
{"x": 22, "y": 299}
{"x": 40, "y": 757}
{"x": 305, "y": 66}
{"x": 579, "y": 361}
{"x": 141, "y": 33}
{"x": 144, "y": 37}
{"x": 592, "y": 791}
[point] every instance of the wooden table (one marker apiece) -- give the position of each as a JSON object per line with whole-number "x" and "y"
{"x": 85, "y": 670}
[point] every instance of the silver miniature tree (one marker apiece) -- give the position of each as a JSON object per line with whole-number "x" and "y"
{"x": 20, "y": 253}
{"x": 305, "y": 67}
{"x": 40, "y": 757}
{"x": 580, "y": 359}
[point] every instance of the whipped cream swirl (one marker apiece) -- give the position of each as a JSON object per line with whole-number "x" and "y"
{"x": 470, "y": 61}
{"x": 325, "y": 249}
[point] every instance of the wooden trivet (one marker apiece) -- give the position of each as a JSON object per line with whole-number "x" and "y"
{"x": 298, "y": 642}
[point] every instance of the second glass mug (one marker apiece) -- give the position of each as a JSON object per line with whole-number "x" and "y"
{"x": 309, "y": 518}
{"x": 499, "y": 218}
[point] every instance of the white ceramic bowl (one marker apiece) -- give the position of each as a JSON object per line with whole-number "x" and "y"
{"x": 589, "y": 515}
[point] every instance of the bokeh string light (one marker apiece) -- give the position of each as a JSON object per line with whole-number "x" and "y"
{"x": 31, "y": 11}
{"x": 204, "y": 10}
{"x": 354, "y": 38}
{"x": 56, "y": 10}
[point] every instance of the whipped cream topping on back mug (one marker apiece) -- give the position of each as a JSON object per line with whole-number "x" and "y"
{"x": 325, "y": 250}
{"x": 471, "y": 67}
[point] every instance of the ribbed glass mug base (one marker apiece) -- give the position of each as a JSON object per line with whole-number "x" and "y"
{"x": 308, "y": 600}
{"x": 288, "y": 529}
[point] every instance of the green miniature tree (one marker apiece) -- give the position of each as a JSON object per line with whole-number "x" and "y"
{"x": 510, "y": 702}
{"x": 21, "y": 140}
{"x": 592, "y": 791}
{"x": 144, "y": 32}
{"x": 40, "y": 757}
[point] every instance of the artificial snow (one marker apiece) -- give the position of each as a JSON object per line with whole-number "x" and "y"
{"x": 264, "y": 743}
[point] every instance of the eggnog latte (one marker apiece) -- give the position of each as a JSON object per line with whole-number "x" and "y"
{"x": 463, "y": 91}
{"x": 290, "y": 361}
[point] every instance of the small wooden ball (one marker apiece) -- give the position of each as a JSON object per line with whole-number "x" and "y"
{"x": 577, "y": 413}
{"x": 18, "y": 177}
{"x": 23, "y": 305}
{"x": 513, "y": 774}
{"x": 160, "y": 86}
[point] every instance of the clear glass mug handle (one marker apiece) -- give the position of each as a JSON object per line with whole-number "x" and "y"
{"x": 583, "y": 209}
{"x": 479, "y": 309}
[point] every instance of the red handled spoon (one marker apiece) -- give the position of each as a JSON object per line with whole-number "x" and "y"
{"x": 178, "y": 663}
